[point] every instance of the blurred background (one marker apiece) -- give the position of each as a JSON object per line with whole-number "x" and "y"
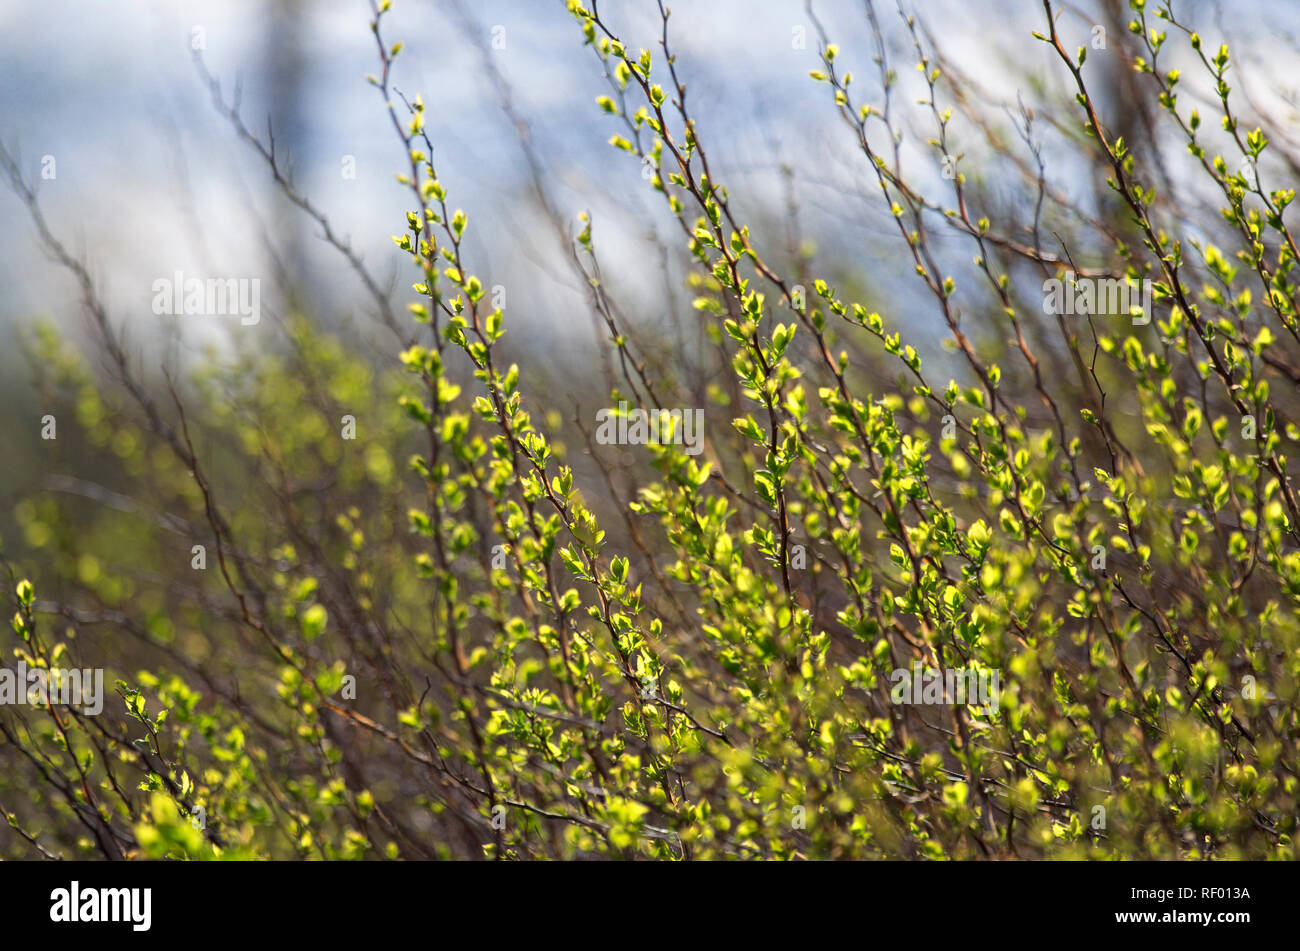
{"x": 149, "y": 179}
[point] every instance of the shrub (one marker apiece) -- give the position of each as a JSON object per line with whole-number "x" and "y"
{"x": 419, "y": 624}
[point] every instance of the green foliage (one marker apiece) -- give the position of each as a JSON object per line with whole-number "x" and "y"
{"x": 497, "y": 649}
